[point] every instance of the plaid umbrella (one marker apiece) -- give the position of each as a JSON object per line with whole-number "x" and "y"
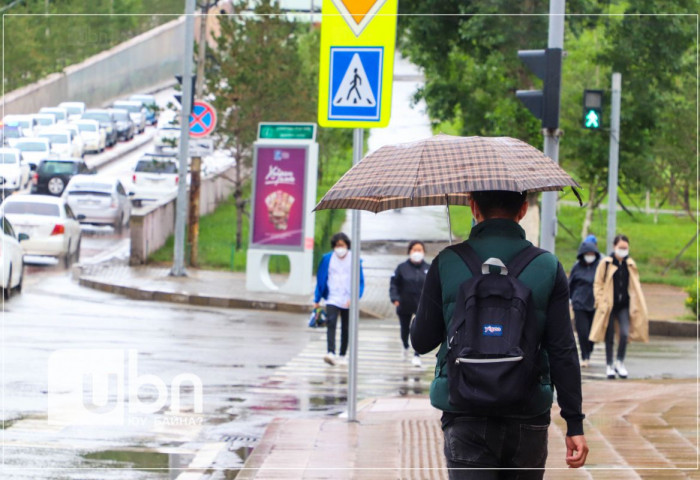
{"x": 442, "y": 170}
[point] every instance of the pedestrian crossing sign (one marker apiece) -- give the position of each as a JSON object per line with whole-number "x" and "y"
{"x": 357, "y": 63}
{"x": 355, "y": 83}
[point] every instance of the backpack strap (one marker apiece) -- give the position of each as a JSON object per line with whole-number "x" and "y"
{"x": 522, "y": 259}
{"x": 468, "y": 256}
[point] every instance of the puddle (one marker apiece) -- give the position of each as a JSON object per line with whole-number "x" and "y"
{"x": 138, "y": 459}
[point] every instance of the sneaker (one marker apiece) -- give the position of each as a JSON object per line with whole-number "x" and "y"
{"x": 342, "y": 360}
{"x": 416, "y": 361}
{"x": 620, "y": 369}
{"x": 584, "y": 363}
{"x": 610, "y": 371}
{"x": 329, "y": 358}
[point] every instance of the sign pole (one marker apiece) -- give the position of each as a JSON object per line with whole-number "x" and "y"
{"x": 178, "y": 269}
{"x": 357, "y": 147}
{"x": 614, "y": 151}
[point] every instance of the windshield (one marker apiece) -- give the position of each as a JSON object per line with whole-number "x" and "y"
{"x": 121, "y": 116}
{"x": 8, "y": 158}
{"x": 85, "y": 187}
{"x": 57, "y": 168}
{"x": 30, "y": 208}
{"x": 156, "y": 166}
{"x": 60, "y": 115}
{"x": 55, "y": 137}
{"x": 99, "y": 116}
{"x": 87, "y": 127}
{"x": 11, "y": 132}
{"x": 32, "y": 146}
{"x": 72, "y": 110}
{"x": 44, "y": 121}
{"x": 129, "y": 107}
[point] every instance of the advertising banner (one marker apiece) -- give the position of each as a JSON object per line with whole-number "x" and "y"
{"x": 278, "y": 208}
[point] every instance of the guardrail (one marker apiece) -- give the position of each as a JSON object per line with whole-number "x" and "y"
{"x": 152, "y": 224}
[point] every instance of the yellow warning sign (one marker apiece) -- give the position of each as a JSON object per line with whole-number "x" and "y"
{"x": 357, "y": 63}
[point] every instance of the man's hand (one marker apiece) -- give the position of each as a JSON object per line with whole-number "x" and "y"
{"x": 576, "y": 451}
{"x": 396, "y": 303}
{"x": 316, "y": 305}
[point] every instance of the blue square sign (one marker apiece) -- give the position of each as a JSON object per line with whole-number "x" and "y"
{"x": 355, "y": 83}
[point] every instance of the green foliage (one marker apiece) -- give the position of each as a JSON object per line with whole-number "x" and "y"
{"x": 692, "y": 301}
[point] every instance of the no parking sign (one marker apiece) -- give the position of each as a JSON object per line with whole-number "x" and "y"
{"x": 202, "y": 119}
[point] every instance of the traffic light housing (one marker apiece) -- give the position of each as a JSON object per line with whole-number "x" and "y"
{"x": 543, "y": 104}
{"x": 592, "y": 109}
{"x": 178, "y": 96}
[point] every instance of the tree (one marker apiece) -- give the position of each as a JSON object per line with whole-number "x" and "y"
{"x": 255, "y": 73}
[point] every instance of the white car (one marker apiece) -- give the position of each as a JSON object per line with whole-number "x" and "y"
{"x": 100, "y": 199}
{"x": 62, "y": 142}
{"x": 154, "y": 177}
{"x": 77, "y": 138}
{"x": 94, "y": 138}
{"x": 136, "y": 112}
{"x": 60, "y": 114}
{"x": 74, "y": 109}
{"x": 167, "y": 136}
{"x": 43, "y": 121}
{"x": 14, "y": 173}
{"x": 34, "y": 150}
{"x": 27, "y": 123}
{"x": 11, "y": 259}
{"x": 49, "y": 223}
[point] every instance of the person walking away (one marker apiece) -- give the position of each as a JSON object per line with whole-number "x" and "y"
{"x": 405, "y": 288}
{"x": 497, "y": 440}
{"x": 619, "y": 301}
{"x": 333, "y": 283}
{"x": 581, "y": 295}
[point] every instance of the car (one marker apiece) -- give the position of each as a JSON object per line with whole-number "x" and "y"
{"x": 14, "y": 172}
{"x": 107, "y": 123}
{"x": 53, "y": 174}
{"x": 60, "y": 114}
{"x": 101, "y": 200}
{"x": 149, "y": 103}
{"x": 167, "y": 136}
{"x": 62, "y": 142}
{"x": 27, "y": 123}
{"x": 48, "y": 222}
{"x": 10, "y": 133}
{"x": 94, "y": 137}
{"x": 125, "y": 127}
{"x": 154, "y": 176}
{"x": 43, "y": 120}
{"x": 74, "y": 109}
{"x": 34, "y": 150}
{"x": 77, "y": 138}
{"x": 11, "y": 259}
{"x": 136, "y": 110}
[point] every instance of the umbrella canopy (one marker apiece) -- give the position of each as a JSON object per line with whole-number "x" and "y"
{"x": 444, "y": 169}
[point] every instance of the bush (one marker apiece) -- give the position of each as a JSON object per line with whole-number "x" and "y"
{"x": 692, "y": 301}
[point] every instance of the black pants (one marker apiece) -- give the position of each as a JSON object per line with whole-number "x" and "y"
{"x": 623, "y": 319}
{"x": 405, "y": 322}
{"x": 332, "y": 317}
{"x": 584, "y": 320}
{"x": 480, "y": 448}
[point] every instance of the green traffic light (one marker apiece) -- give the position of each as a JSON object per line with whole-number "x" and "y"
{"x": 592, "y": 119}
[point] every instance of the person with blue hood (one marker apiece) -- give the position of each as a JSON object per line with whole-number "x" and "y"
{"x": 581, "y": 294}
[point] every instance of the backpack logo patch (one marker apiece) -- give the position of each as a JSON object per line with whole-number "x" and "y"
{"x": 493, "y": 330}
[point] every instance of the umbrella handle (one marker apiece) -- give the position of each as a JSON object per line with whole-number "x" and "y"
{"x": 449, "y": 223}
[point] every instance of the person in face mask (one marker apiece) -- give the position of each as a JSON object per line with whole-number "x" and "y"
{"x": 618, "y": 300}
{"x": 404, "y": 291}
{"x": 333, "y": 283}
{"x": 581, "y": 295}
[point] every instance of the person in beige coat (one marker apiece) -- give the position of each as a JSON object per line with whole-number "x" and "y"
{"x": 620, "y": 305}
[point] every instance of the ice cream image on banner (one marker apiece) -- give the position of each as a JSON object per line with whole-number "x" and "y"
{"x": 279, "y": 204}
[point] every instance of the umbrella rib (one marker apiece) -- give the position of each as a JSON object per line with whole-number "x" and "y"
{"x": 420, "y": 164}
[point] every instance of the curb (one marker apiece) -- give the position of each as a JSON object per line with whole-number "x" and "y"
{"x": 673, "y": 328}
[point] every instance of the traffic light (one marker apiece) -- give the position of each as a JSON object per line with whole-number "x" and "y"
{"x": 592, "y": 109}
{"x": 178, "y": 96}
{"x": 544, "y": 104}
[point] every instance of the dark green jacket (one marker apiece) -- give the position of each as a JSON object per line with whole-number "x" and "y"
{"x": 503, "y": 239}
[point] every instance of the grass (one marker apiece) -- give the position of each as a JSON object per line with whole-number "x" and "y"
{"x": 652, "y": 245}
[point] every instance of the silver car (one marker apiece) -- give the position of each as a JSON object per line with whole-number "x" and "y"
{"x": 101, "y": 199}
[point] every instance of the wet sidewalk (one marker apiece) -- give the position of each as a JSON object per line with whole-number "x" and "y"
{"x": 634, "y": 429}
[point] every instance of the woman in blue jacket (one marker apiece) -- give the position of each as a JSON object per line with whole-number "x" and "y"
{"x": 581, "y": 295}
{"x": 333, "y": 283}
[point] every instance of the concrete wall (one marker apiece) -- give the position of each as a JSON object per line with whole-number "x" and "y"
{"x": 152, "y": 225}
{"x": 147, "y": 60}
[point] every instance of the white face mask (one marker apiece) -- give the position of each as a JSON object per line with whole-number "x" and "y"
{"x": 417, "y": 257}
{"x": 589, "y": 258}
{"x": 340, "y": 251}
{"x": 622, "y": 252}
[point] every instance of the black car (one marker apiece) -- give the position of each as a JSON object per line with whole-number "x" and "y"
{"x": 53, "y": 174}
{"x": 125, "y": 127}
{"x": 107, "y": 123}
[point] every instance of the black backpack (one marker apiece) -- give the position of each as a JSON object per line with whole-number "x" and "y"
{"x": 493, "y": 346}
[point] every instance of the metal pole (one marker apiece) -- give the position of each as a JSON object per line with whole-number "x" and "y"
{"x": 614, "y": 151}
{"x": 178, "y": 269}
{"x": 548, "y": 225}
{"x": 357, "y": 147}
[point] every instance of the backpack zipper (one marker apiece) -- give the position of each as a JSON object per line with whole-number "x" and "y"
{"x": 487, "y": 360}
